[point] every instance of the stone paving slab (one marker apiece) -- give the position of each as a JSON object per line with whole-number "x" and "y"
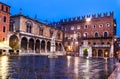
{"x": 116, "y": 73}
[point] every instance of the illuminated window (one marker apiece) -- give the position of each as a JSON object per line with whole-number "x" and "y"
{"x": 101, "y": 25}
{"x": 72, "y": 28}
{"x": 108, "y": 25}
{"x": 85, "y": 34}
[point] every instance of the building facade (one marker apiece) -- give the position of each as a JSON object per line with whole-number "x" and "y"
{"x": 31, "y": 36}
{"x": 91, "y": 35}
{"x": 4, "y": 21}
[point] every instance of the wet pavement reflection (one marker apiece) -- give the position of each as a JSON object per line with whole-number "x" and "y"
{"x": 63, "y": 67}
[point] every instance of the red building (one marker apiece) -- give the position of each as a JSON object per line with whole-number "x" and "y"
{"x": 90, "y": 35}
{"x": 4, "y": 21}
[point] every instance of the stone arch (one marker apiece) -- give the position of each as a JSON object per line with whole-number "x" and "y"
{"x": 94, "y": 53}
{"x": 48, "y": 46}
{"x": 100, "y": 53}
{"x": 14, "y": 42}
{"x": 85, "y": 51}
{"x": 106, "y": 53}
{"x": 24, "y": 42}
{"x": 43, "y": 46}
{"x": 37, "y": 46}
{"x": 31, "y": 44}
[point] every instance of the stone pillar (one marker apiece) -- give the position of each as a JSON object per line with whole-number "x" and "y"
{"x": 45, "y": 46}
{"x": 20, "y": 45}
{"x": 34, "y": 47}
{"x": 40, "y": 46}
{"x": 80, "y": 51}
{"x": 27, "y": 46}
{"x": 90, "y": 52}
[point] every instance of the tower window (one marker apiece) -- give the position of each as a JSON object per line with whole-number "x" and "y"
{"x": 6, "y": 9}
{"x": 4, "y": 29}
{"x": 4, "y": 19}
{"x": 2, "y": 7}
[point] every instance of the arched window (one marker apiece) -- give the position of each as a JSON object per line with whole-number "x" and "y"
{"x": 4, "y": 28}
{"x": 51, "y": 32}
{"x": 85, "y": 34}
{"x": 28, "y": 26}
{"x": 4, "y": 19}
{"x": 105, "y": 34}
{"x": 41, "y": 30}
{"x": 96, "y": 34}
{"x": 12, "y": 25}
{"x": 108, "y": 25}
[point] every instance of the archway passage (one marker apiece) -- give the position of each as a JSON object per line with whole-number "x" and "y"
{"x": 106, "y": 53}
{"x": 94, "y": 53}
{"x": 24, "y": 44}
{"x": 43, "y": 46}
{"x": 48, "y": 46}
{"x": 31, "y": 45}
{"x": 14, "y": 42}
{"x": 100, "y": 53}
{"x": 85, "y": 52}
{"x": 37, "y": 46}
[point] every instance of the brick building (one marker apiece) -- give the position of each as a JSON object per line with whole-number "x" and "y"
{"x": 4, "y": 21}
{"x": 90, "y": 35}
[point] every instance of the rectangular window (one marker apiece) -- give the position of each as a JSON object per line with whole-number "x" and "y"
{"x": 4, "y": 29}
{"x": 2, "y": 7}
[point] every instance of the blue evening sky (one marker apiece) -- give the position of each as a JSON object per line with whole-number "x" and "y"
{"x": 54, "y": 10}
